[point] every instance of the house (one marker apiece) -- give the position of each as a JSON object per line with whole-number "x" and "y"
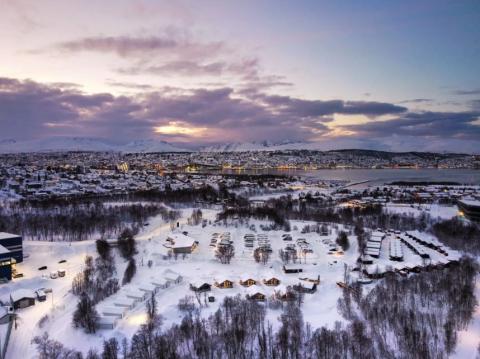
{"x": 172, "y": 277}
{"x": 200, "y": 287}
{"x": 247, "y": 281}
{"x": 254, "y": 294}
{"x": 106, "y": 322}
{"x": 114, "y": 311}
{"x": 224, "y": 283}
{"x": 309, "y": 287}
{"x": 14, "y": 244}
{"x": 293, "y": 268}
{"x": 22, "y": 298}
{"x": 180, "y": 243}
{"x": 124, "y": 302}
{"x": 271, "y": 281}
{"x": 285, "y": 294}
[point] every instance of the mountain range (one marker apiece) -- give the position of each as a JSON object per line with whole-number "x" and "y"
{"x": 63, "y": 144}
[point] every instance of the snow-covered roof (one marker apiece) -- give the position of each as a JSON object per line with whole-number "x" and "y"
{"x": 180, "y": 240}
{"x": 3, "y": 250}
{"x": 5, "y": 235}
{"x": 22, "y": 293}
{"x": 470, "y": 202}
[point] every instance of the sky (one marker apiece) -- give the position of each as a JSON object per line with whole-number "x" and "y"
{"x": 388, "y": 75}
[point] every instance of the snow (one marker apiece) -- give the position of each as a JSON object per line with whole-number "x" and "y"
{"x": 169, "y": 279}
{"x": 60, "y": 143}
{"x": 469, "y": 339}
{"x": 4, "y": 235}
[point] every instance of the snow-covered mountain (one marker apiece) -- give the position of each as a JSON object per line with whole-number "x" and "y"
{"x": 261, "y": 146}
{"x": 149, "y": 146}
{"x": 60, "y": 144}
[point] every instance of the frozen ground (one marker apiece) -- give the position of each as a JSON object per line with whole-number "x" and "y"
{"x": 434, "y": 210}
{"x": 469, "y": 339}
{"x": 320, "y": 308}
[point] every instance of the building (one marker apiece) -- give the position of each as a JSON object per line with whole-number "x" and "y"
{"x": 470, "y": 209}
{"x": 22, "y": 298}
{"x": 181, "y": 243}
{"x": 14, "y": 243}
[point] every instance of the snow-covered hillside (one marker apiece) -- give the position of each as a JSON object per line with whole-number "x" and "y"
{"x": 53, "y": 144}
{"x": 260, "y": 146}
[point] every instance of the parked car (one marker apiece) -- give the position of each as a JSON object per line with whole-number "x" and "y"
{"x": 41, "y": 296}
{"x": 53, "y": 275}
{"x": 18, "y": 275}
{"x": 61, "y": 272}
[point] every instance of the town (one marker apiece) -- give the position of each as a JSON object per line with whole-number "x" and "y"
{"x": 189, "y": 240}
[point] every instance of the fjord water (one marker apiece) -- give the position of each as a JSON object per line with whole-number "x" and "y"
{"x": 376, "y": 177}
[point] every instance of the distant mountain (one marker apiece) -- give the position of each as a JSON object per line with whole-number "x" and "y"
{"x": 65, "y": 144}
{"x": 260, "y": 146}
{"x": 150, "y": 146}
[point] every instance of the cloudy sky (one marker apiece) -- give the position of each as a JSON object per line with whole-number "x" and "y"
{"x": 380, "y": 74}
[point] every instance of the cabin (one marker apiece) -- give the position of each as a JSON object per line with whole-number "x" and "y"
{"x": 22, "y": 298}
{"x": 114, "y": 311}
{"x": 309, "y": 287}
{"x": 200, "y": 287}
{"x": 285, "y": 294}
{"x": 106, "y": 322}
{"x": 180, "y": 243}
{"x": 272, "y": 281}
{"x": 247, "y": 282}
{"x": 172, "y": 277}
{"x": 224, "y": 284}
{"x": 256, "y": 296}
{"x": 311, "y": 280}
{"x": 288, "y": 269}
{"x": 124, "y": 302}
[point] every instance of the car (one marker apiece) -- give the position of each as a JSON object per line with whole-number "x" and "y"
{"x": 42, "y": 268}
{"x": 62, "y": 261}
{"x": 61, "y": 272}
{"x": 41, "y": 296}
{"x": 53, "y": 275}
{"x": 18, "y": 275}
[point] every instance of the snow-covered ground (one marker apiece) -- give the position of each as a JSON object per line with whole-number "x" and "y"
{"x": 320, "y": 308}
{"x": 434, "y": 210}
{"x": 469, "y": 339}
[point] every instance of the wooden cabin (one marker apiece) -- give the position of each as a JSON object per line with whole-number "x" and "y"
{"x": 292, "y": 269}
{"x": 309, "y": 288}
{"x": 248, "y": 282}
{"x": 200, "y": 287}
{"x": 224, "y": 284}
{"x": 259, "y": 297}
{"x": 272, "y": 282}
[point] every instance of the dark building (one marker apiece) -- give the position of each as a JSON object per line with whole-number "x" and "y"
{"x": 470, "y": 209}
{"x": 14, "y": 244}
{"x": 11, "y": 252}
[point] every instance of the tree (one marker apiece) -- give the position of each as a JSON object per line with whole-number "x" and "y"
{"x": 261, "y": 255}
{"x": 126, "y": 243}
{"x": 85, "y": 316}
{"x": 225, "y": 253}
{"x": 129, "y": 271}
{"x": 342, "y": 240}
{"x": 103, "y": 248}
{"x": 51, "y": 349}
{"x": 110, "y": 349}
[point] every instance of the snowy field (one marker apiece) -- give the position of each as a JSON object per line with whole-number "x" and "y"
{"x": 319, "y": 308}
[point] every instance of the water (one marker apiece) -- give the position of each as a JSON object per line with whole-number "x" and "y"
{"x": 376, "y": 177}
